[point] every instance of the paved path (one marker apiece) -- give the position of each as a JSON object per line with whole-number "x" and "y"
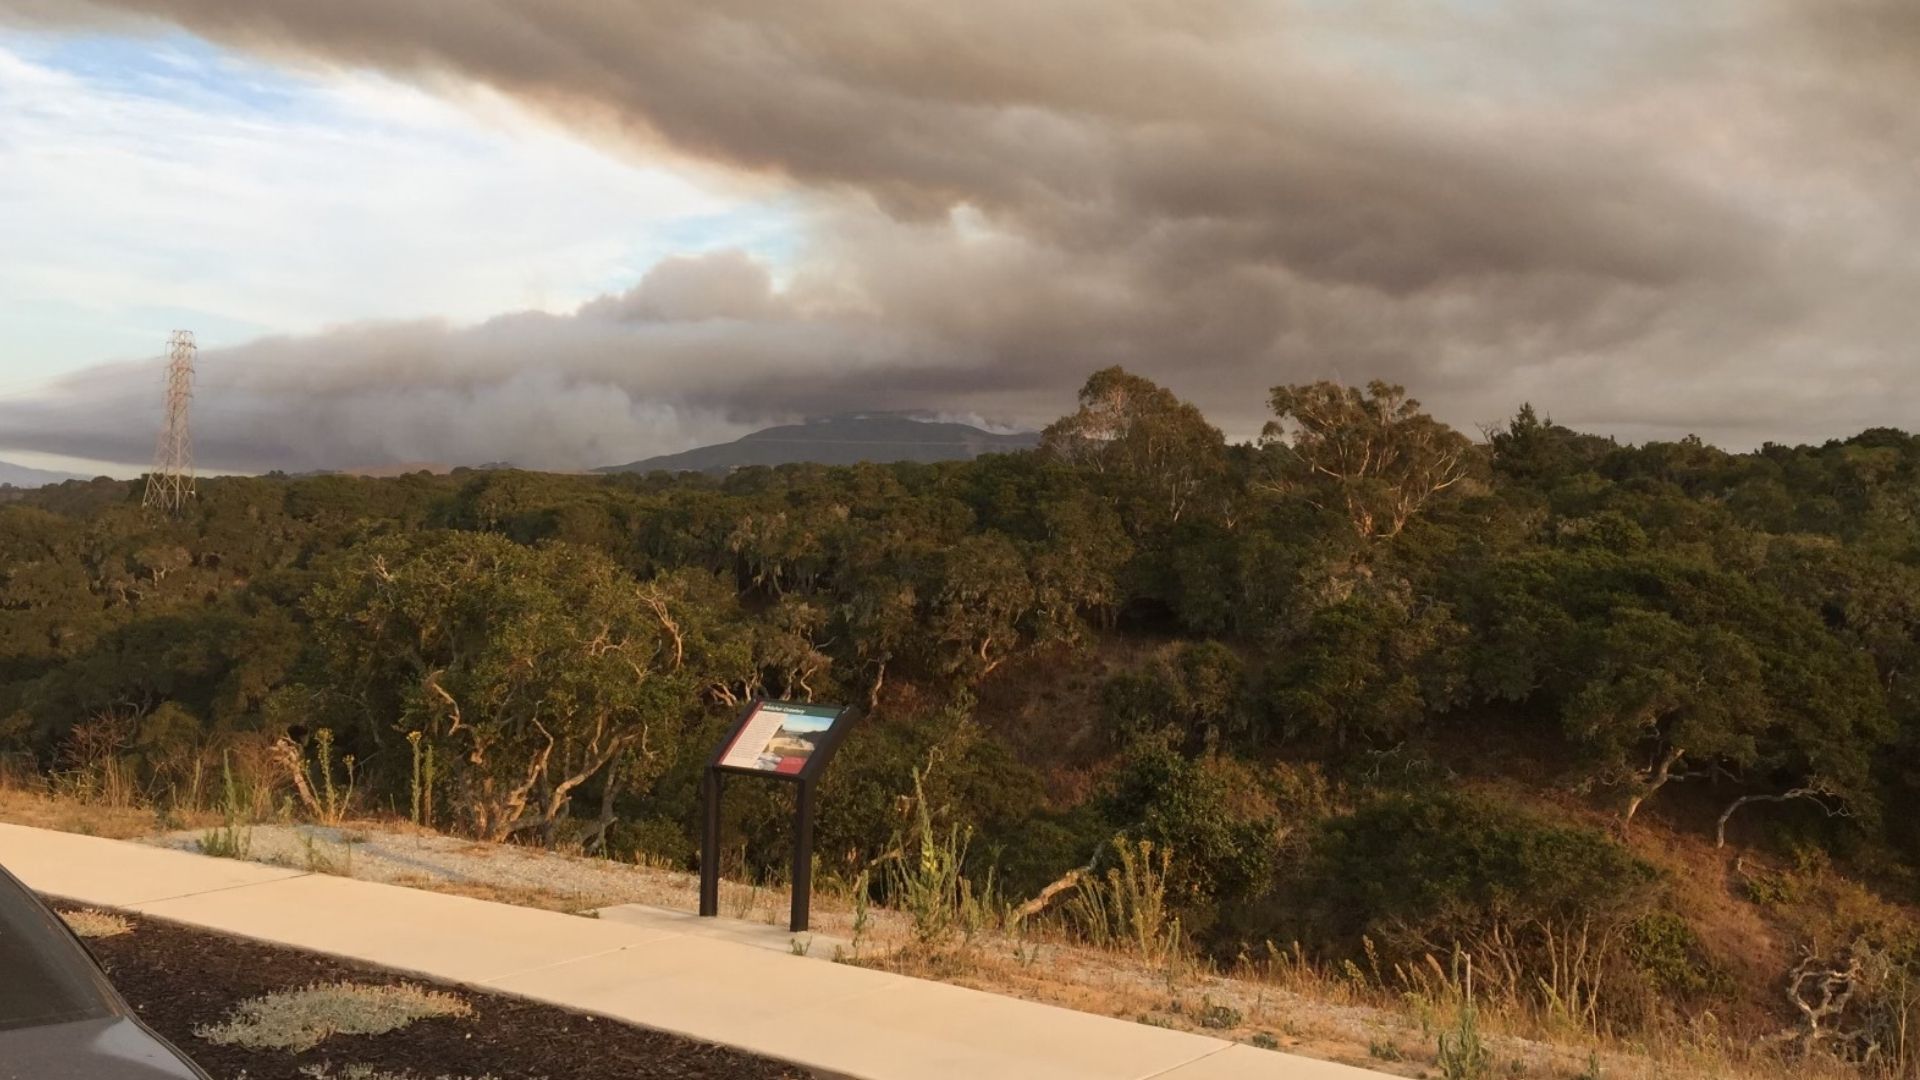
{"x": 657, "y": 969}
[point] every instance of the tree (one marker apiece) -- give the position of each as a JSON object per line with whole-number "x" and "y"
{"x": 880, "y": 615}
{"x": 1535, "y": 450}
{"x": 1076, "y": 565}
{"x": 789, "y": 648}
{"x": 1658, "y": 694}
{"x": 983, "y": 597}
{"x": 1660, "y": 669}
{"x": 1368, "y": 668}
{"x": 1138, "y": 431}
{"x": 1195, "y": 693}
{"x": 1373, "y": 456}
{"x": 537, "y": 667}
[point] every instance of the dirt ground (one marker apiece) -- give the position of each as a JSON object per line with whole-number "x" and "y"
{"x": 180, "y": 979}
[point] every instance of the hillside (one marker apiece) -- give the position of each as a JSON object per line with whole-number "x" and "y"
{"x": 20, "y": 476}
{"x": 1339, "y": 718}
{"x": 847, "y": 440}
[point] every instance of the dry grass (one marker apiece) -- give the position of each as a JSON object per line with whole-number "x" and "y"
{"x": 1345, "y": 1016}
{"x": 20, "y": 805}
{"x": 299, "y": 1019}
{"x": 1289, "y": 1006}
{"x": 89, "y": 923}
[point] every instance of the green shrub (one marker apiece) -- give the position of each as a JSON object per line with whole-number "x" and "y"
{"x": 1546, "y": 911}
{"x": 1048, "y": 845}
{"x": 1210, "y": 811}
{"x": 962, "y": 769}
{"x": 927, "y": 879}
{"x": 1672, "y": 958}
{"x": 654, "y": 841}
{"x": 1216, "y": 1016}
{"x": 1136, "y": 703}
{"x": 1462, "y": 1054}
{"x": 1439, "y": 863}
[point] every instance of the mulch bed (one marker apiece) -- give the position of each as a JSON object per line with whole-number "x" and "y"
{"x": 180, "y": 979}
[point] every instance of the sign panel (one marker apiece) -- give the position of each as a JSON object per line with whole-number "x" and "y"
{"x": 779, "y": 740}
{"x": 778, "y": 737}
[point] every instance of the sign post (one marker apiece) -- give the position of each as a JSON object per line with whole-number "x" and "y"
{"x": 778, "y": 740}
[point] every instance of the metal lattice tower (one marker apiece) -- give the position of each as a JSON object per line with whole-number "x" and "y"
{"x": 170, "y": 484}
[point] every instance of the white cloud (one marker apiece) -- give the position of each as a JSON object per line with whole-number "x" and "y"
{"x": 248, "y": 200}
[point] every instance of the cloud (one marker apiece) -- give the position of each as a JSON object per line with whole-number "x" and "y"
{"x": 701, "y": 348}
{"x": 1648, "y": 219}
{"x": 166, "y": 176}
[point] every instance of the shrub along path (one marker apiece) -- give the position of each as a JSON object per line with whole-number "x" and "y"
{"x": 837, "y": 1019}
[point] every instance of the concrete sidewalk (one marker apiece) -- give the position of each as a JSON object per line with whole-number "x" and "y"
{"x": 668, "y": 972}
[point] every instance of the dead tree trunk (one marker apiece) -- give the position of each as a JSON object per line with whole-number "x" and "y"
{"x": 1821, "y": 990}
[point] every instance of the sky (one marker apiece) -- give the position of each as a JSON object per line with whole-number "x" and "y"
{"x": 581, "y": 232}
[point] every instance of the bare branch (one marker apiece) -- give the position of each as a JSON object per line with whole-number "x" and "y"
{"x": 1815, "y": 794}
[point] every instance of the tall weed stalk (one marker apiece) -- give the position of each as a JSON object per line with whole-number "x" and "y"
{"x": 1126, "y": 908}
{"x": 928, "y": 882}
{"x": 233, "y": 838}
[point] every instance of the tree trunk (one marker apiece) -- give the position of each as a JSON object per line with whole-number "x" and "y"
{"x": 873, "y": 695}
{"x": 595, "y": 842}
{"x": 1661, "y": 774}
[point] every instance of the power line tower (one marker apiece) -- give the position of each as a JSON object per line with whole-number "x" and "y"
{"x": 170, "y": 484}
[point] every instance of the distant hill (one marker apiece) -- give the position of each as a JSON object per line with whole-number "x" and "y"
{"x": 840, "y": 441}
{"x": 23, "y": 477}
{"x": 402, "y": 468}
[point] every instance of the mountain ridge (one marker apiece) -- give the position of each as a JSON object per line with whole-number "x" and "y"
{"x": 21, "y": 476}
{"x": 842, "y": 440}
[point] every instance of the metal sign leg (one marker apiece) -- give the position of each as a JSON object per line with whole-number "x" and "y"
{"x": 710, "y": 846}
{"x": 802, "y": 856}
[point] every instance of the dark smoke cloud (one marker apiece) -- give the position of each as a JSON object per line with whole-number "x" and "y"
{"x": 1649, "y": 219}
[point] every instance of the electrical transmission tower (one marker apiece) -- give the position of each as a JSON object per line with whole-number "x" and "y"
{"x": 170, "y": 484}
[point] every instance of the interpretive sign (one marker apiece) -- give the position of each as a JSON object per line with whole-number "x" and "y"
{"x": 777, "y": 737}
{"x": 778, "y": 740}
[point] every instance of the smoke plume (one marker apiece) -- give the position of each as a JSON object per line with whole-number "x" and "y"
{"x": 1648, "y": 220}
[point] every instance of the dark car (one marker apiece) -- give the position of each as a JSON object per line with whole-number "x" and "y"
{"x": 59, "y": 1017}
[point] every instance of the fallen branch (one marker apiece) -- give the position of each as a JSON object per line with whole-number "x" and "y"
{"x": 1045, "y": 897}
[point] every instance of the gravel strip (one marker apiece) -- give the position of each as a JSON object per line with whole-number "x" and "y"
{"x": 423, "y": 859}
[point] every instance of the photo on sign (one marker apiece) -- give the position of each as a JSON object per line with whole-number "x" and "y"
{"x": 774, "y": 740}
{"x": 795, "y": 741}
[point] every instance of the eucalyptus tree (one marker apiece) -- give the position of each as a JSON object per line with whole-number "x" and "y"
{"x": 1372, "y": 455}
{"x": 1130, "y": 428}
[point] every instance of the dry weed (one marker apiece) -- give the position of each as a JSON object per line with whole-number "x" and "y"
{"x": 298, "y": 1019}
{"x": 89, "y": 923}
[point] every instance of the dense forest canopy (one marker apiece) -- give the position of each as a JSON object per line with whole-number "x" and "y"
{"x": 1364, "y": 651}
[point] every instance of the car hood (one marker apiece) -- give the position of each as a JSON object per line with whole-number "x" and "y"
{"x": 114, "y": 1048}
